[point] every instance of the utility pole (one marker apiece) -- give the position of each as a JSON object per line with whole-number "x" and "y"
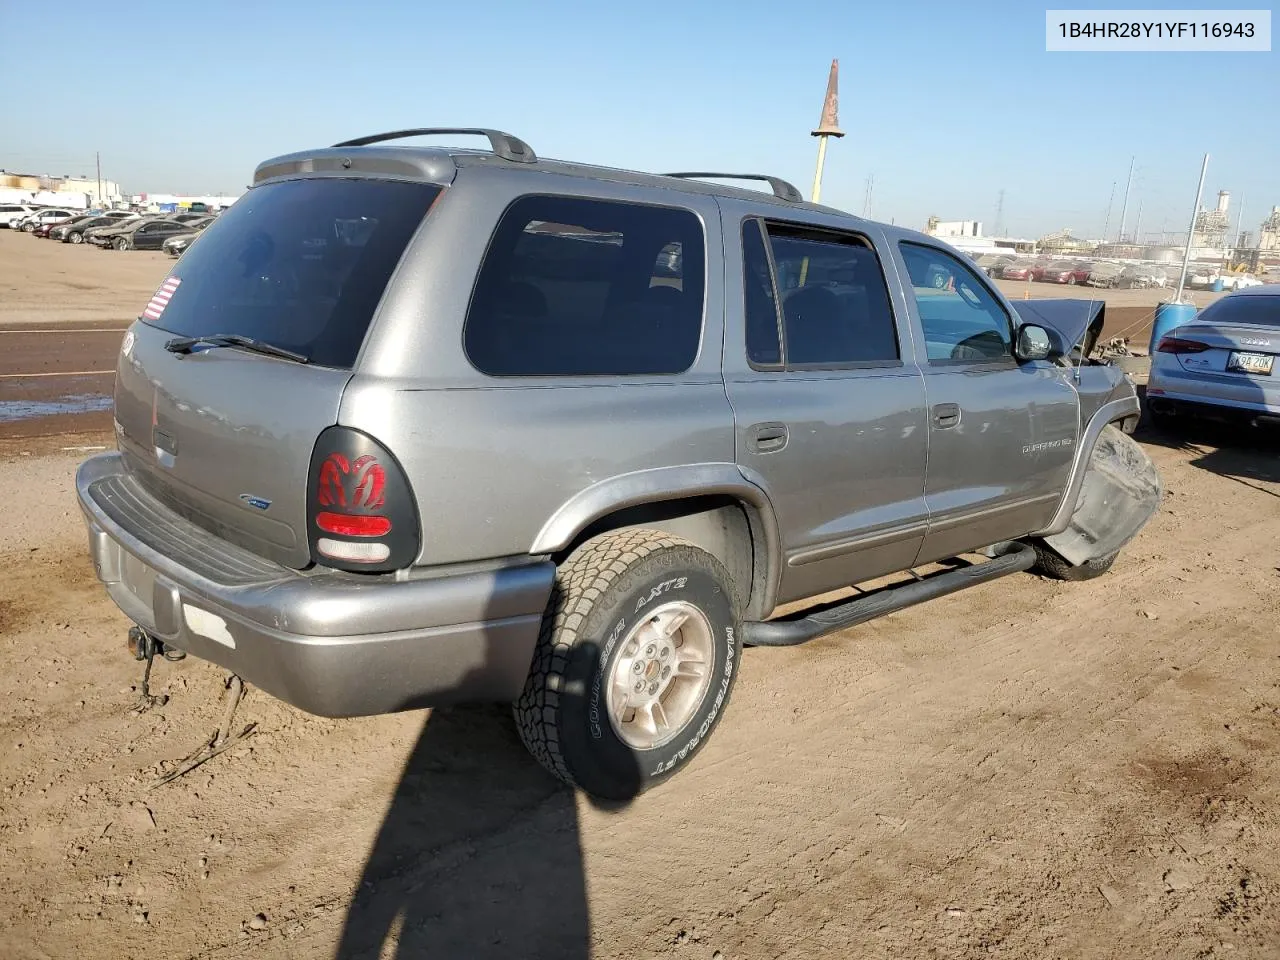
{"x": 1124, "y": 207}
{"x": 1000, "y": 214}
{"x": 1106, "y": 226}
{"x": 97, "y": 157}
{"x": 1235, "y": 241}
{"x": 1191, "y": 231}
{"x": 866, "y": 202}
{"x": 1137, "y": 229}
{"x": 827, "y": 126}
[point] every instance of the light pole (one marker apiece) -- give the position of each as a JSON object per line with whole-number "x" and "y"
{"x": 1124, "y": 207}
{"x": 1191, "y": 230}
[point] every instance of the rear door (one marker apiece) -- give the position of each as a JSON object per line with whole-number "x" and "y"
{"x": 225, "y": 435}
{"x": 1002, "y": 434}
{"x": 828, "y": 401}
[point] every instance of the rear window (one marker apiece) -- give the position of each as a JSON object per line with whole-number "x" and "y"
{"x": 299, "y": 264}
{"x": 1260, "y": 309}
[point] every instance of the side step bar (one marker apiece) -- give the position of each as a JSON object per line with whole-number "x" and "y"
{"x": 791, "y": 631}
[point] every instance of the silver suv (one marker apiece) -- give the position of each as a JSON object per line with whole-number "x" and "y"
{"x": 412, "y": 426}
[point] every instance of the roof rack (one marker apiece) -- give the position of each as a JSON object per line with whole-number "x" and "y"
{"x": 504, "y": 145}
{"x": 781, "y": 188}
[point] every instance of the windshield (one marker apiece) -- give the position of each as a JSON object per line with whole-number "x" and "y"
{"x": 1258, "y": 309}
{"x": 299, "y": 264}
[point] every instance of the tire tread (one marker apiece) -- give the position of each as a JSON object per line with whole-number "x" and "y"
{"x": 580, "y": 581}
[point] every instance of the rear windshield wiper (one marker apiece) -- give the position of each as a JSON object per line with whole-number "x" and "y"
{"x": 184, "y": 345}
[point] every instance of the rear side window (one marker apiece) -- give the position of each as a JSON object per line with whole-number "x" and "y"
{"x": 835, "y": 302}
{"x": 579, "y": 287}
{"x": 299, "y": 264}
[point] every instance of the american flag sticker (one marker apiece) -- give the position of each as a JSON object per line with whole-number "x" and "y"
{"x": 161, "y": 299}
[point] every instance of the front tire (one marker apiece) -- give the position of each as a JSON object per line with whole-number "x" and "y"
{"x": 120, "y": 243}
{"x": 1049, "y": 564}
{"x": 634, "y": 665}
{"x": 76, "y": 238}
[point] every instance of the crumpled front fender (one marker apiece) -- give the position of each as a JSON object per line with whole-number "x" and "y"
{"x": 1120, "y": 492}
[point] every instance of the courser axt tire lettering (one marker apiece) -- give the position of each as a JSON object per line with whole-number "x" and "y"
{"x": 606, "y": 591}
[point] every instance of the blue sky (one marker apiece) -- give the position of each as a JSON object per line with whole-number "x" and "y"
{"x": 944, "y": 103}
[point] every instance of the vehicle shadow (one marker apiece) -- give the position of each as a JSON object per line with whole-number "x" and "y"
{"x": 478, "y": 855}
{"x": 1231, "y": 447}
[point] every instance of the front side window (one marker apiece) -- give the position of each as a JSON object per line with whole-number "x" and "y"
{"x": 834, "y": 301}
{"x": 579, "y": 287}
{"x": 962, "y": 320}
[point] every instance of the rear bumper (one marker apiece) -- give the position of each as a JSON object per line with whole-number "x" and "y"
{"x": 328, "y": 643}
{"x": 1167, "y": 382}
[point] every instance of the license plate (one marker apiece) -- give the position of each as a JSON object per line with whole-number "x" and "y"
{"x": 1259, "y": 363}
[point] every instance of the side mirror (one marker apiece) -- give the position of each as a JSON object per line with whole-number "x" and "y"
{"x": 1033, "y": 343}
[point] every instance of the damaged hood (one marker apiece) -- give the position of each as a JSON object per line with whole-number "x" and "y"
{"x": 1067, "y": 320}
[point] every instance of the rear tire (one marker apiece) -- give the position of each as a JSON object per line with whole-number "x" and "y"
{"x": 1049, "y": 564}
{"x": 614, "y": 618}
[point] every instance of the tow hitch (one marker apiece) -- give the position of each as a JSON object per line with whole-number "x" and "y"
{"x": 145, "y": 647}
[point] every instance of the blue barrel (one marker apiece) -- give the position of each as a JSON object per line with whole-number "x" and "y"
{"x": 1217, "y": 285}
{"x": 1168, "y": 316}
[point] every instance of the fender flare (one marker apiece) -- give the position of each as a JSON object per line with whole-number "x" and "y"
{"x": 1118, "y": 409}
{"x": 1116, "y": 490}
{"x": 662, "y": 484}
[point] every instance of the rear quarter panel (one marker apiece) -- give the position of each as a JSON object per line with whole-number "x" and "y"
{"x": 491, "y": 459}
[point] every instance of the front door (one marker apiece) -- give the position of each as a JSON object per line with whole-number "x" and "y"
{"x": 828, "y": 405}
{"x": 1002, "y": 434}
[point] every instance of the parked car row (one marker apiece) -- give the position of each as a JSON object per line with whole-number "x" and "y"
{"x": 122, "y": 229}
{"x": 21, "y": 216}
{"x": 1071, "y": 272}
{"x": 1107, "y": 274}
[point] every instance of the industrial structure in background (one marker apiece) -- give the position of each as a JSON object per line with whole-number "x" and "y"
{"x": 93, "y": 193}
{"x": 176, "y": 203}
{"x": 1269, "y": 234}
{"x": 1212, "y": 226}
{"x": 953, "y": 228}
{"x": 72, "y": 193}
{"x": 1064, "y": 242}
{"x": 1211, "y": 241}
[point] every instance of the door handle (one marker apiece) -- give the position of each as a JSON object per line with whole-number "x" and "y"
{"x": 768, "y": 437}
{"x": 946, "y": 415}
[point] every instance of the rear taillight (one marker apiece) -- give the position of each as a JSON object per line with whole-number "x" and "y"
{"x": 361, "y": 514}
{"x": 1181, "y": 345}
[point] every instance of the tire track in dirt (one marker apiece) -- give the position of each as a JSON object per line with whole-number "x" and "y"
{"x": 964, "y": 776}
{"x": 1066, "y": 679}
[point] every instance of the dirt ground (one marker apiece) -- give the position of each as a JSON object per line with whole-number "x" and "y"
{"x": 1027, "y": 770}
